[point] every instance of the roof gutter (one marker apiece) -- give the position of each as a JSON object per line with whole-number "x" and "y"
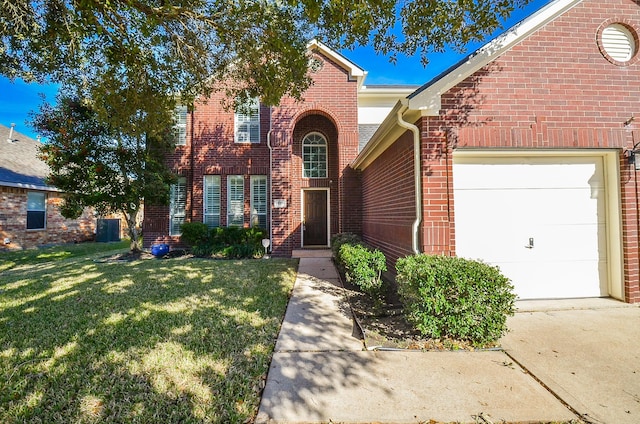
{"x": 30, "y": 186}
{"x": 415, "y": 238}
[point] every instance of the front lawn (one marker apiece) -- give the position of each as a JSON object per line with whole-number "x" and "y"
{"x": 172, "y": 340}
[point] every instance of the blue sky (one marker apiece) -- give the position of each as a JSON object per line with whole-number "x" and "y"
{"x": 17, "y": 99}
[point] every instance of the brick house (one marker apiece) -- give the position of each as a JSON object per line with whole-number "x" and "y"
{"x": 524, "y": 157}
{"x": 294, "y": 158}
{"x": 520, "y": 155}
{"x": 29, "y": 209}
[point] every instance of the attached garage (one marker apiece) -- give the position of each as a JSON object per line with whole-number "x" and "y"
{"x": 550, "y": 220}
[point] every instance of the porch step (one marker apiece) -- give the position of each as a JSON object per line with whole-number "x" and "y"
{"x": 311, "y": 253}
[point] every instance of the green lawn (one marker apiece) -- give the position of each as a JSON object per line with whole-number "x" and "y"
{"x": 172, "y": 340}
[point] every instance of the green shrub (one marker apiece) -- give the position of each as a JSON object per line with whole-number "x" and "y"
{"x": 194, "y": 234}
{"x": 340, "y": 239}
{"x": 455, "y": 297}
{"x": 363, "y": 267}
{"x": 226, "y": 242}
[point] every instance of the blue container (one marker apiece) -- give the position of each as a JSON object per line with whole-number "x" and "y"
{"x": 159, "y": 250}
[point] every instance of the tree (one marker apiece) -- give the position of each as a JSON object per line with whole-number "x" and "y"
{"x": 111, "y": 168}
{"x": 124, "y": 63}
{"x": 187, "y": 46}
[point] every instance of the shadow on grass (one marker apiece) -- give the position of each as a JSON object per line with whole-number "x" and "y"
{"x": 147, "y": 341}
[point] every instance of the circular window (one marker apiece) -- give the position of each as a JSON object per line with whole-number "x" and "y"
{"x": 618, "y": 43}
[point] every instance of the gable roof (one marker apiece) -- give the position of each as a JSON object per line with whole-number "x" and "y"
{"x": 355, "y": 72}
{"x": 427, "y": 97}
{"x": 426, "y": 100}
{"x": 19, "y": 163}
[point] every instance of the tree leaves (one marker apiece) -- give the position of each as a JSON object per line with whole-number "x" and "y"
{"x": 110, "y": 162}
{"x": 189, "y": 46}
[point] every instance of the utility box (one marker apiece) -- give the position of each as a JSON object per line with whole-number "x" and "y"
{"x": 108, "y": 230}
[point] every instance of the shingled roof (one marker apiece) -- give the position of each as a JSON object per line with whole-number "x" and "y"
{"x": 19, "y": 163}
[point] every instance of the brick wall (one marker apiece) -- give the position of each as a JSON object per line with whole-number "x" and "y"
{"x": 13, "y": 222}
{"x": 388, "y": 200}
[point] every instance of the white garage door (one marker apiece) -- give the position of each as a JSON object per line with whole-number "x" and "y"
{"x": 541, "y": 220}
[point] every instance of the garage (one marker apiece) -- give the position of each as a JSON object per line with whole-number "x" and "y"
{"x": 543, "y": 220}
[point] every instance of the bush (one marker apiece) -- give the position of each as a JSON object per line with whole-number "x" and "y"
{"x": 455, "y": 297}
{"x": 194, "y": 233}
{"x": 225, "y": 242}
{"x": 340, "y": 239}
{"x": 363, "y": 267}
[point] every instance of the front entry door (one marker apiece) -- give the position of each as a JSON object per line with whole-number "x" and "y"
{"x": 314, "y": 224}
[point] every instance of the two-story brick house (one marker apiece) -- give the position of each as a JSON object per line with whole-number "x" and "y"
{"x": 520, "y": 155}
{"x": 284, "y": 168}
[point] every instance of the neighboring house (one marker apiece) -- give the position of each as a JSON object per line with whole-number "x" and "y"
{"x": 524, "y": 157}
{"x": 29, "y": 209}
{"x": 519, "y": 156}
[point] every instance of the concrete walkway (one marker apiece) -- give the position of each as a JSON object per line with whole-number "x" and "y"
{"x": 321, "y": 373}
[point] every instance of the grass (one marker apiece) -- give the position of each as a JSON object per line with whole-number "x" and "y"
{"x": 173, "y": 340}
{"x": 12, "y": 259}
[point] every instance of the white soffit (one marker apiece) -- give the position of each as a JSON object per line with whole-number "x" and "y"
{"x": 427, "y": 98}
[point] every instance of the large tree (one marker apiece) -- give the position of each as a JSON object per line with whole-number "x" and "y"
{"x": 187, "y": 46}
{"x": 123, "y": 64}
{"x": 111, "y": 168}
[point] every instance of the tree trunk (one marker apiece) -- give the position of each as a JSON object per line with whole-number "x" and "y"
{"x": 134, "y": 234}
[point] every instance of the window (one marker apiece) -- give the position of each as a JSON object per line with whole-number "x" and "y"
{"x": 259, "y": 201}
{"x": 177, "y": 206}
{"x": 212, "y": 200}
{"x": 180, "y": 127}
{"x": 314, "y": 156}
{"x": 247, "y": 123}
{"x": 235, "y": 200}
{"x": 36, "y": 210}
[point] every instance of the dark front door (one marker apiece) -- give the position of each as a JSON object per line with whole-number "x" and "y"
{"x": 314, "y": 227}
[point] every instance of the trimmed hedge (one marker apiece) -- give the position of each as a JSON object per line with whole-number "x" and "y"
{"x": 455, "y": 297}
{"x": 361, "y": 265}
{"x": 226, "y": 242}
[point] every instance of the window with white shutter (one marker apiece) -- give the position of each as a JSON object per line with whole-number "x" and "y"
{"x": 247, "y": 123}
{"x": 180, "y": 127}
{"x": 177, "y": 206}
{"x": 259, "y": 201}
{"x": 212, "y": 200}
{"x": 235, "y": 200}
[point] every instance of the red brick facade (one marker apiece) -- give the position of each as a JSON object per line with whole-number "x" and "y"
{"x": 13, "y": 222}
{"x": 329, "y": 107}
{"x": 553, "y": 90}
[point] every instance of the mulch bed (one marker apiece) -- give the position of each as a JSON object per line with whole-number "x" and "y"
{"x": 385, "y": 326}
{"x": 142, "y": 255}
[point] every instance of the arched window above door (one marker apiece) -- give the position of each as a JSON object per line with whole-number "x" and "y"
{"x": 314, "y": 156}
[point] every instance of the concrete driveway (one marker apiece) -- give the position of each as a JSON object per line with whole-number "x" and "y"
{"x": 586, "y": 352}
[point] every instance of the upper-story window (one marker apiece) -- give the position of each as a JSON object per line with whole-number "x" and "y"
{"x": 247, "y": 123}
{"x": 180, "y": 126}
{"x": 314, "y": 156}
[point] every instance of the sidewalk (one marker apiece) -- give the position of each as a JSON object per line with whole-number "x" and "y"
{"x": 320, "y": 371}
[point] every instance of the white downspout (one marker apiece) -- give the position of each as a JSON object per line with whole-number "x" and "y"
{"x": 417, "y": 178}
{"x": 270, "y": 177}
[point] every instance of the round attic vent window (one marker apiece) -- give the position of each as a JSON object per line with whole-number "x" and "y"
{"x": 618, "y": 42}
